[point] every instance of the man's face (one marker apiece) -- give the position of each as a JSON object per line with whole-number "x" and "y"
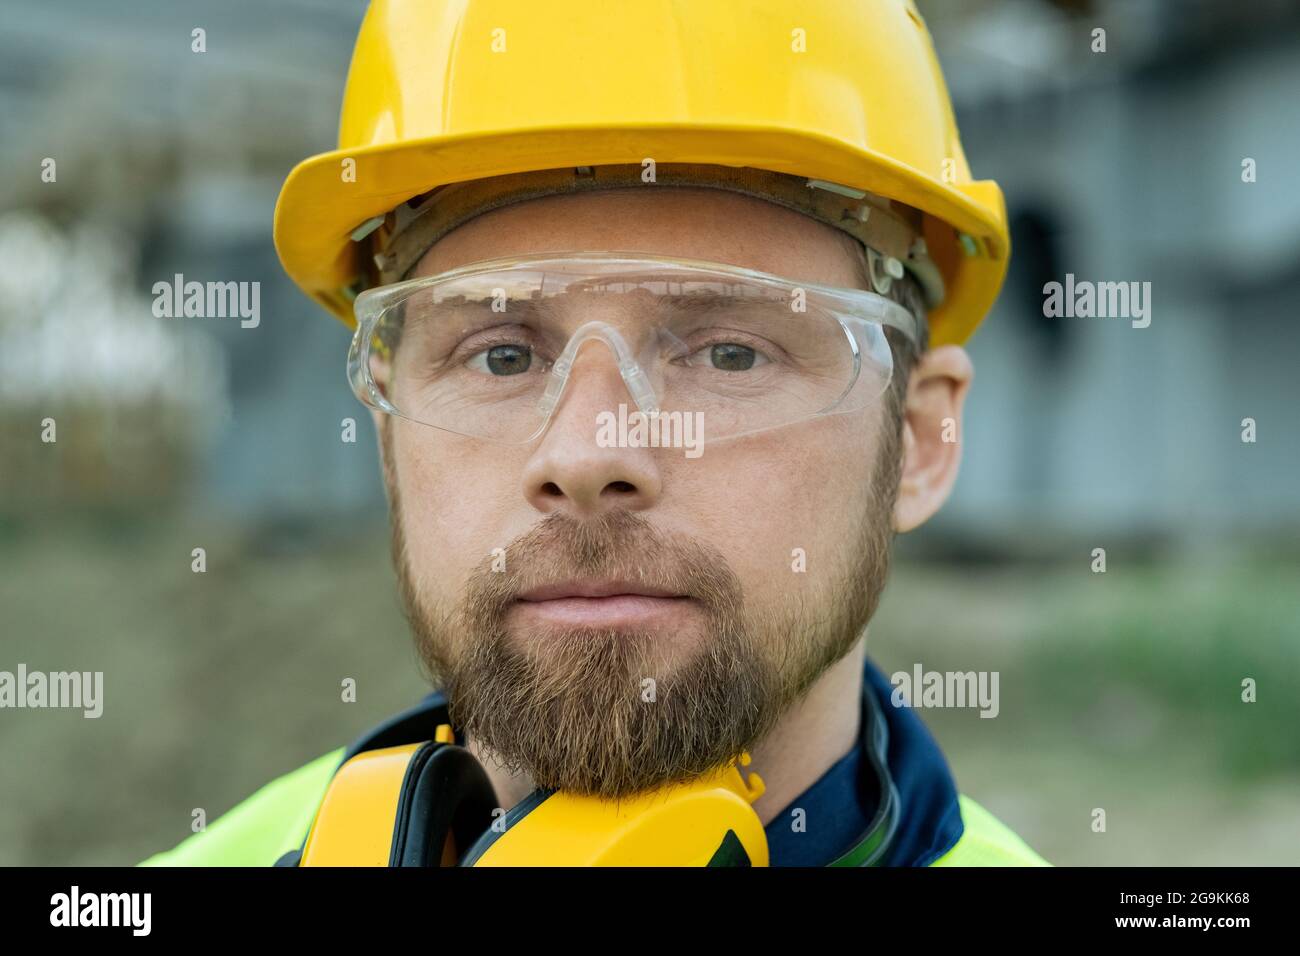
{"x": 609, "y": 619}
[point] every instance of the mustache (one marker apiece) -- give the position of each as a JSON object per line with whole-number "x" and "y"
{"x": 618, "y": 544}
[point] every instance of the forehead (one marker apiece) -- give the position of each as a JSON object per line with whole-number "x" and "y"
{"x": 691, "y": 222}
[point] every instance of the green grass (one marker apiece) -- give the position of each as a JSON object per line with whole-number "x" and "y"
{"x": 1120, "y": 691}
{"x": 1183, "y": 642}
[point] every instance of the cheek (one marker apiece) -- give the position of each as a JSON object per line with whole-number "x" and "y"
{"x": 774, "y": 502}
{"x": 455, "y": 507}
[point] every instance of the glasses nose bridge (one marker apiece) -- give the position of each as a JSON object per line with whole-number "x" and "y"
{"x": 629, "y": 367}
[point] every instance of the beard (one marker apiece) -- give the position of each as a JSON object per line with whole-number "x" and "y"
{"x": 610, "y": 712}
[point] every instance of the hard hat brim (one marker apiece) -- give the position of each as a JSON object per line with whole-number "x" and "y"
{"x": 319, "y": 208}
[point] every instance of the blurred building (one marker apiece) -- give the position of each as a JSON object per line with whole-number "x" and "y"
{"x": 1128, "y": 165}
{"x": 1123, "y": 165}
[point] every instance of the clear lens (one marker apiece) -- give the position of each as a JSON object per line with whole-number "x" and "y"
{"x": 488, "y": 352}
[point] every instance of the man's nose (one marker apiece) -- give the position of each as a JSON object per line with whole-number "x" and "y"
{"x": 570, "y": 470}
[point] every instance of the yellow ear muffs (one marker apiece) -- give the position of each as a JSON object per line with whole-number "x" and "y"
{"x": 707, "y": 821}
{"x": 423, "y": 804}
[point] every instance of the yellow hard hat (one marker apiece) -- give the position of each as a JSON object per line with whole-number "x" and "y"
{"x": 847, "y": 94}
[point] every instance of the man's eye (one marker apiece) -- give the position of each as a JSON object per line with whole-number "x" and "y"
{"x": 731, "y": 357}
{"x": 503, "y": 360}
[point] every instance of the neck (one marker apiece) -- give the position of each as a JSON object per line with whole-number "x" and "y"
{"x": 812, "y": 736}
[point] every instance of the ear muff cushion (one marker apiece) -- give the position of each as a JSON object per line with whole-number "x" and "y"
{"x": 445, "y": 791}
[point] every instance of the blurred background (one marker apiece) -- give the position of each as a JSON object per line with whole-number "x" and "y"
{"x": 1120, "y": 690}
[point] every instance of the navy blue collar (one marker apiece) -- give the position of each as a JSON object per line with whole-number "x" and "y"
{"x": 890, "y": 801}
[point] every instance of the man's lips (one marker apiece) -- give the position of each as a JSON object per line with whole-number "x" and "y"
{"x": 594, "y": 589}
{"x": 606, "y": 604}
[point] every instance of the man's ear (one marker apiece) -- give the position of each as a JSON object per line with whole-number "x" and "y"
{"x": 936, "y": 392}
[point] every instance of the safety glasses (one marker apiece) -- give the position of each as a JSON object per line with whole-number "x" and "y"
{"x": 490, "y": 350}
